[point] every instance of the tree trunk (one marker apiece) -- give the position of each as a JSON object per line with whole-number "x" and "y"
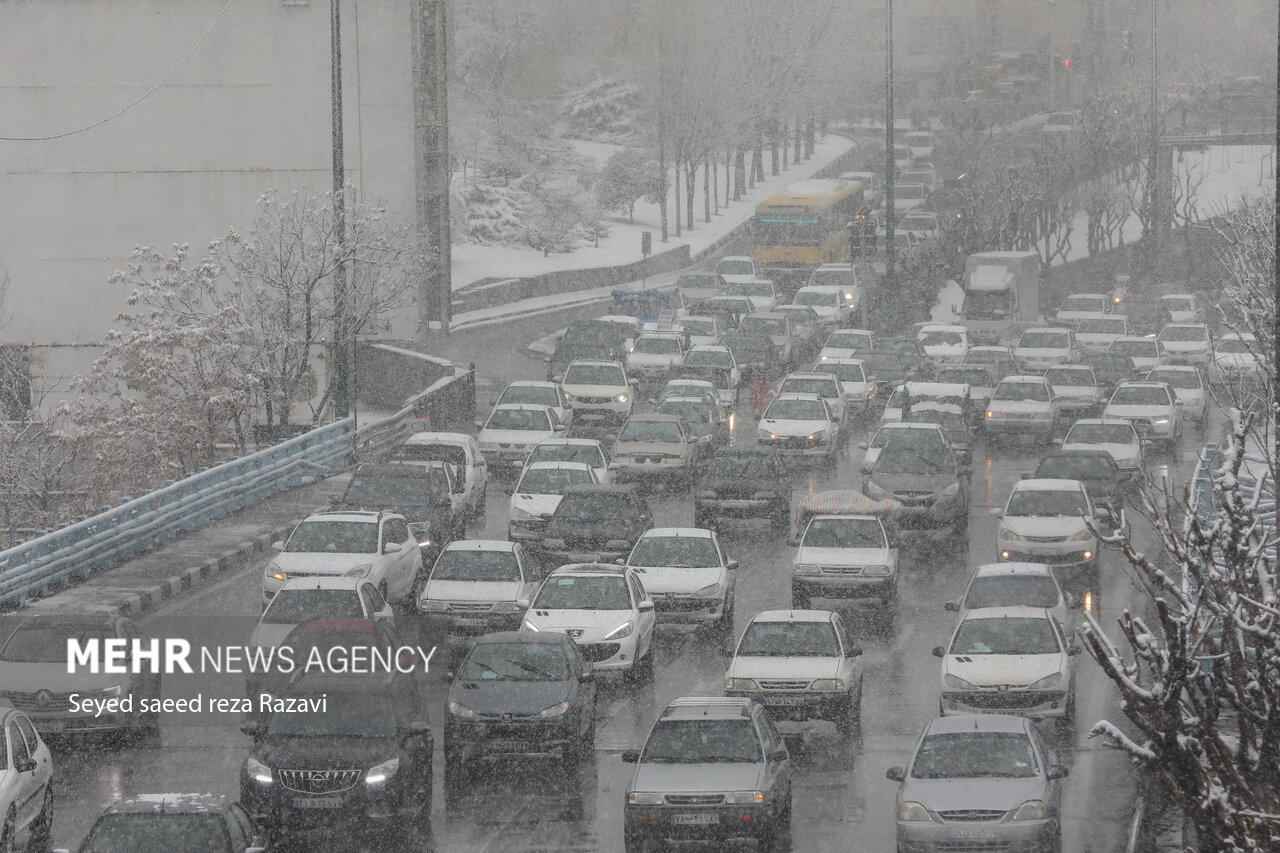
{"x": 631, "y": 213}
{"x": 757, "y": 167}
{"x": 728, "y": 166}
{"x": 662, "y": 176}
{"x": 690, "y": 187}
{"x": 707, "y": 169}
{"x": 675, "y": 186}
{"x": 799, "y": 139}
{"x": 810, "y": 137}
{"x": 773, "y": 147}
{"x": 739, "y": 173}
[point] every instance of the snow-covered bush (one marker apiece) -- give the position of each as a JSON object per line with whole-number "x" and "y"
{"x": 604, "y": 111}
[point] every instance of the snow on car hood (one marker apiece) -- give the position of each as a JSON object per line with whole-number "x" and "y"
{"x": 691, "y": 778}
{"x": 801, "y": 667}
{"x": 1019, "y": 407}
{"x": 1044, "y": 525}
{"x": 963, "y": 794}
{"x": 792, "y": 429}
{"x": 539, "y": 505}
{"x": 1185, "y": 346}
{"x": 1117, "y": 451}
{"x": 319, "y": 563}
{"x": 596, "y": 390}
{"x": 1143, "y": 411}
{"x": 648, "y": 448}
{"x": 843, "y": 556}
{"x": 594, "y": 624}
{"x": 53, "y": 676}
{"x": 1013, "y": 670}
{"x": 450, "y": 590}
{"x": 513, "y": 436}
{"x": 669, "y": 579}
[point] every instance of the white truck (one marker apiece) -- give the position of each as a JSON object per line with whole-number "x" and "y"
{"x": 999, "y": 288}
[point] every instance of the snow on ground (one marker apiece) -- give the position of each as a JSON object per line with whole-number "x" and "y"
{"x": 471, "y": 262}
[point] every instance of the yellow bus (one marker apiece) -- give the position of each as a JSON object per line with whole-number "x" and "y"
{"x": 805, "y": 225}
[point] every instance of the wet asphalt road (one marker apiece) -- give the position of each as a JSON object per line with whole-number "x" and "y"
{"x": 842, "y": 800}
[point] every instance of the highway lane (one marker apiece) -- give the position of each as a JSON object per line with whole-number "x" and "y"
{"x": 840, "y": 790}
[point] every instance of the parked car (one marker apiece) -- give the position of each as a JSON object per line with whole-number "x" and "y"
{"x": 743, "y": 482}
{"x": 175, "y": 823}
{"x": 687, "y": 576}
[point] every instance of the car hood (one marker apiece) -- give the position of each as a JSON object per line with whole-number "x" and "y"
{"x": 652, "y": 358}
{"x": 792, "y": 429}
{"x": 317, "y": 563}
{"x": 979, "y": 794}
{"x": 787, "y": 668}
{"x": 667, "y": 579}
{"x": 843, "y": 556}
{"x": 1043, "y": 525}
{"x": 1018, "y": 406}
{"x": 945, "y": 350}
{"x": 1235, "y": 359}
{"x": 472, "y": 590}
{"x": 33, "y": 677}
{"x": 540, "y": 505}
{"x": 606, "y": 528}
{"x": 325, "y": 753}
{"x": 1097, "y": 337}
{"x": 593, "y": 624}
{"x": 902, "y": 483}
{"x": 691, "y": 778}
{"x": 631, "y": 448}
{"x": 1013, "y": 670}
{"x": 504, "y": 696}
{"x": 596, "y": 390}
{"x": 1114, "y": 411}
{"x": 1117, "y": 451}
{"x": 1185, "y": 346}
{"x": 512, "y": 436}
{"x": 1037, "y": 353}
{"x": 269, "y": 635}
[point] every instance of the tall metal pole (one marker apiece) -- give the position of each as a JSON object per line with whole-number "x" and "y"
{"x": 341, "y": 364}
{"x": 1153, "y": 179}
{"x": 891, "y": 249}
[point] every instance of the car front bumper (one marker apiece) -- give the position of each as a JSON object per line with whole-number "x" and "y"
{"x": 495, "y": 737}
{"x": 797, "y": 447}
{"x": 686, "y": 609}
{"x": 1036, "y": 704}
{"x": 1021, "y": 836}
{"x": 713, "y": 823}
{"x": 797, "y": 705}
{"x": 845, "y": 587}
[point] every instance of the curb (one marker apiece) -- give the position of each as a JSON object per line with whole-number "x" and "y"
{"x": 143, "y": 601}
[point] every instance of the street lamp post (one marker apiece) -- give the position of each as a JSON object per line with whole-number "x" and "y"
{"x": 341, "y": 363}
{"x": 1153, "y": 177}
{"x": 890, "y": 277}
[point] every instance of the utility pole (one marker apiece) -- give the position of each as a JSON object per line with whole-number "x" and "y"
{"x": 1153, "y": 177}
{"x": 891, "y": 249}
{"x": 341, "y": 363}
{"x": 431, "y": 159}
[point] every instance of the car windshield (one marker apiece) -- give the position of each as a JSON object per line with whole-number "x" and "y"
{"x": 447, "y": 453}
{"x": 694, "y": 413}
{"x": 595, "y": 507}
{"x": 764, "y": 325}
{"x": 968, "y": 755}
{"x": 844, "y": 533}
{"x": 414, "y": 489}
{"x": 933, "y": 337}
{"x": 679, "y": 552}
{"x": 796, "y": 410}
{"x": 918, "y": 223}
{"x": 986, "y": 355}
{"x": 909, "y": 191}
{"x": 1140, "y": 395}
{"x": 1185, "y": 333}
{"x": 729, "y": 266}
{"x": 821, "y": 387}
{"x": 46, "y": 642}
{"x": 551, "y": 481}
{"x": 702, "y": 742}
{"x": 515, "y": 662}
{"x": 952, "y": 422}
{"x": 1005, "y": 635}
{"x": 821, "y": 299}
{"x": 1033, "y": 391}
{"x": 1084, "y": 303}
{"x": 587, "y": 453}
{"x": 1185, "y": 379}
{"x": 1070, "y": 376}
{"x": 741, "y": 466}
{"x": 698, "y": 325}
{"x": 1116, "y": 433}
{"x": 1012, "y": 591}
{"x": 292, "y": 606}
{"x": 1074, "y": 468}
{"x": 1176, "y": 303}
{"x": 1141, "y": 349}
{"x": 538, "y": 395}
{"x": 456, "y": 564}
{"x": 790, "y": 639}
{"x": 534, "y": 420}
{"x": 594, "y": 374}
{"x": 843, "y": 372}
{"x": 651, "y": 431}
{"x": 334, "y": 537}
{"x": 356, "y": 715}
{"x": 899, "y": 436}
{"x": 1044, "y": 340}
{"x": 1233, "y": 345}
{"x": 709, "y": 358}
{"x": 1102, "y": 326}
{"x": 849, "y": 340}
{"x": 799, "y": 314}
{"x": 971, "y": 376}
{"x": 657, "y": 346}
{"x": 583, "y": 592}
{"x": 158, "y": 833}
{"x": 1047, "y": 502}
{"x": 751, "y": 288}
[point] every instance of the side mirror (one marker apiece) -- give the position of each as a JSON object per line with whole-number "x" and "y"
{"x": 634, "y": 383}
{"x": 511, "y": 490}
{"x": 895, "y": 774}
{"x": 479, "y": 424}
{"x": 1058, "y": 442}
{"x": 522, "y": 602}
{"x": 855, "y": 652}
{"x": 277, "y": 546}
{"x": 631, "y": 756}
{"x": 862, "y": 445}
{"x": 559, "y": 428}
{"x": 25, "y": 765}
{"x": 952, "y": 606}
{"x": 393, "y": 548}
{"x": 546, "y": 359}
{"x": 1057, "y": 771}
{"x": 724, "y": 653}
{"x": 938, "y": 651}
{"x": 731, "y": 565}
{"x": 645, "y": 606}
{"x": 588, "y": 673}
{"x": 779, "y": 755}
{"x": 1028, "y": 476}
{"x": 997, "y": 511}
{"x": 334, "y": 501}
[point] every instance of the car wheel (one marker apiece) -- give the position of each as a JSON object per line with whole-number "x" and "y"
{"x": 777, "y": 838}
{"x": 850, "y": 718}
{"x": 723, "y": 626}
{"x": 10, "y": 830}
{"x": 41, "y": 840}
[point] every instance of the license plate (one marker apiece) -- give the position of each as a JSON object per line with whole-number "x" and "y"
{"x": 466, "y": 622}
{"x": 509, "y": 746}
{"x": 584, "y": 416}
{"x": 785, "y": 700}
{"x": 700, "y": 819}
{"x": 973, "y": 832}
{"x": 318, "y": 803}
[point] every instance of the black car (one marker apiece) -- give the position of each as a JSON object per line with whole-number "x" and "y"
{"x": 418, "y": 492}
{"x": 1110, "y": 370}
{"x": 362, "y": 761}
{"x": 1105, "y": 481}
{"x": 595, "y": 523}
{"x": 520, "y": 693}
{"x": 743, "y": 482}
{"x": 752, "y": 350}
{"x": 591, "y": 339}
{"x": 173, "y": 823}
{"x": 889, "y": 368}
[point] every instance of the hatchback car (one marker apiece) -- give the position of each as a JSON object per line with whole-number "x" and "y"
{"x": 604, "y": 609}
{"x": 1189, "y": 389}
{"x": 1096, "y": 332}
{"x": 477, "y": 586}
{"x": 1040, "y": 349}
{"x": 1151, "y": 407}
{"x": 800, "y": 425}
{"x": 1048, "y": 521}
{"x": 1015, "y": 585}
{"x": 979, "y": 781}
{"x": 1186, "y": 343}
{"x": 713, "y": 769}
{"x": 951, "y": 420}
{"x": 511, "y": 432}
{"x": 1077, "y": 306}
{"x": 26, "y": 783}
{"x": 600, "y": 391}
{"x": 373, "y": 545}
{"x": 537, "y": 493}
{"x": 1146, "y": 353}
{"x": 174, "y": 823}
{"x": 687, "y": 576}
{"x": 1116, "y": 437}
{"x": 303, "y": 599}
{"x": 1104, "y": 480}
{"x": 1022, "y": 405}
{"x": 595, "y": 523}
{"x": 929, "y": 484}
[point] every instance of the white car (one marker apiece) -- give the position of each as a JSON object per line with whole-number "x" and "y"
{"x": 825, "y": 386}
{"x": 702, "y": 331}
{"x": 604, "y": 609}
{"x": 843, "y": 557}
{"x": 914, "y": 392}
{"x": 736, "y": 268}
{"x": 909, "y": 196}
{"x": 1008, "y": 660}
{"x": 630, "y": 327}
{"x": 1096, "y": 332}
{"x": 511, "y": 432}
{"x": 26, "y": 782}
{"x": 538, "y": 493}
{"x": 872, "y": 185}
{"x": 1237, "y": 357}
{"x": 600, "y": 391}
{"x": 1152, "y": 408}
{"x": 462, "y": 453}
{"x": 777, "y": 327}
{"x": 1117, "y": 437}
{"x": 1145, "y": 352}
{"x": 1048, "y": 521}
{"x": 586, "y": 450}
{"x": 800, "y": 425}
{"x": 760, "y": 292}
{"x": 547, "y": 394}
{"x": 801, "y": 665}
{"x": 921, "y": 173}
{"x": 303, "y": 599}
{"x": 1182, "y": 308}
{"x": 1022, "y": 404}
{"x": 1188, "y": 387}
{"x": 1186, "y": 343}
{"x": 1016, "y": 585}
{"x": 827, "y": 301}
{"x": 921, "y": 144}
{"x": 1078, "y": 306}
{"x": 922, "y": 223}
{"x": 1076, "y": 388}
{"x": 847, "y": 343}
{"x": 373, "y": 545}
{"x": 900, "y": 434}
{"x": 654, "y": 354}
{"x": 687, "y": 576}
{"x": 1040, "y": 349}
{"x": 856, "y": 386}
{"x": 477, "y": 586}
{"x": 944, "y": 342}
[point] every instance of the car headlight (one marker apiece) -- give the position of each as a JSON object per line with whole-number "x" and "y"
{"x": 741, "y": 684}
{"x": 382, "y": 772}
{"x": 876, "y": 570}
{"x": 807, "y": 569}
{"x": 913, "y": 811}
{"x": 112, "y": 691}
{"x": 569, "y": 398}
{"x": 360, "y": 571}
{"x": 991, "y": 415}
{"x": 258, "y": 772}
{"x": 827, "y": 684}
{"x": 1007, "y": 535}
{"x": 1031, "y": 810}
{"x": 1046, "y": 682}
{"x": 623, "y": 630}
{"x": 556, "y": 710}
{"x": 958, "y": 683}
{"x": 276, "y": 573}
{"x": 621, "y": 398}
{"x": 643, "y": 798}
{"x": 953, "y": 489}
{"x": 529, "y": 626}
{"x": 507, "y": 607}
{"x": 1160, "y": 421}
{"x": 460, "y": 710}
{"x": 745, "y": 798}
{"x": 709, "y": 589}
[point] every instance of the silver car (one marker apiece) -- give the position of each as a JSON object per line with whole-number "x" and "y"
{"x": 979, "y": 781}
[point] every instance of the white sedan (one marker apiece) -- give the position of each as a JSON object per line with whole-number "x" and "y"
{"x": 1151, "y": 407}
{"x": 511, "y": 432}
{"x": 1117, "y": 437}
{"x": 1048, "y": 521}
{"x": 1237, "y": 357}
{"x": 303, "y": 599}
{"x": 1189, "y": 389}
{"x": 1186, "y": 343}
{"x": 538, "y": 493}
{"x": 687, "y": 575}
{"x": 800, "y": 425}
